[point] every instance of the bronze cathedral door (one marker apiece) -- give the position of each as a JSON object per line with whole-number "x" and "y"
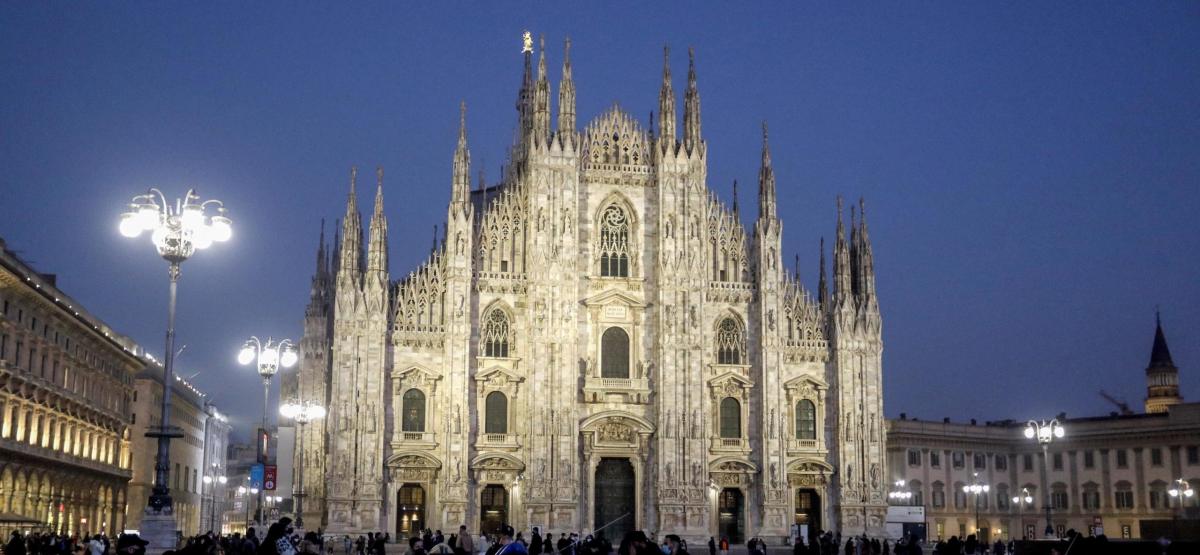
{"x": 616, "y": 495}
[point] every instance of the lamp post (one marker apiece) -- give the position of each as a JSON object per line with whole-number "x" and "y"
{"x": 1181, "y": 491}
{"x": 302, "y": 412}
{"x": 243, "y": 490}
{"x": 268, "y": 357}
{"x": 1021, "y": 501}
{"x": 212, "y": 481}
{"x": 1045, "y": 432}
{"x": 975, "y": 488}
{"x": 177, "y": 231}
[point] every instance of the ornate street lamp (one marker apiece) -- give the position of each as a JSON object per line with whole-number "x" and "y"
{"x": 975, "y": 488}
{"x": 177, "y": 231}
{"x": 1046, "y": 432}
{"x": 1181, "y": 491}
{"x": 900, "y": 495}
{"x": 301, "y": 412}
{"x": 1022, "y": 501}
{"x": 212, "y": 481}
{"x": 268, "y": 356}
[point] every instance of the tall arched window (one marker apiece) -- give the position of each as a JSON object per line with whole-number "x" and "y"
{"x": 731, "y": 342}
{"x": 731, "y": 418}
{"x": 614, "y": 242}
{"x": 414, "y": 411}
{"x": 614, "y": 353}
{"x": 806, "y": 420}
{"x": 495, "y": 335}
{"x": 495, "y": 420}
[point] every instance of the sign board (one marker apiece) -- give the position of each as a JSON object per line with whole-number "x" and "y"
{"x": 269, "y": 476}
{"x": 256, "y": 476}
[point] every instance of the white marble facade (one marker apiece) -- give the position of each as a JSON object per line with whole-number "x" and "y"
{"x": 596, "y": 338}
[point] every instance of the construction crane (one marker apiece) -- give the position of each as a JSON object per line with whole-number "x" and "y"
{"x": 1121, "y": 405}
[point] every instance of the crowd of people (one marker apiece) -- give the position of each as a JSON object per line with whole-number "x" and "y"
{"x": 281, "y": 538}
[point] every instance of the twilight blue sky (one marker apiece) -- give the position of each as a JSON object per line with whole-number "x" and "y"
{"x": 1031, "y": 170}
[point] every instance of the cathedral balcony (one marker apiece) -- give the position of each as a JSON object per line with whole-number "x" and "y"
{"x": 730, "y": 445}
{"x": 599, "y": 390}
{"x": 410, "y": 440}
{"x": 503, "y": 442}
{"x": 803, "y": 447}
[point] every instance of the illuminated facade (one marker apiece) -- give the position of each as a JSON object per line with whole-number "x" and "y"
{"x": 598, "y": 340}
{"x": 66, "y": 389}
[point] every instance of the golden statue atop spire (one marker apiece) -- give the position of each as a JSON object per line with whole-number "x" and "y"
{"x": 526, "y": 42}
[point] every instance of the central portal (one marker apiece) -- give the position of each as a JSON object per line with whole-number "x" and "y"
{"x": 616, "y": 494}
{"x": 493, "y": 507}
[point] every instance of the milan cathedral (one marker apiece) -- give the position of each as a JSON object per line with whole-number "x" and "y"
{"x": 597, "y": 343}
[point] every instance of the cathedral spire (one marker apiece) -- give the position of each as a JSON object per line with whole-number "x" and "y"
{"x": 377, "y": 250}
{"x": 525, "y": 95}
{"x": 322, "y": 260}
{"x": 691, "y": 107}
{"x": 766, "y": 182}
{"x": 351, "y": 245}
{"x": 566, "y": 94}
{"x": 735, "y": 200}
{"x": 841, "y": 262}
{"x": 666, "y": 102}
{"x": 541, "y": 96}
{"x": 460, "y": 192}
{"x": 866, "y": 260}
{"x": 822, "y": 286}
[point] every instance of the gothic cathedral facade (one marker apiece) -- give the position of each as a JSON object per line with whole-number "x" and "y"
{"x": 597, "y": 343}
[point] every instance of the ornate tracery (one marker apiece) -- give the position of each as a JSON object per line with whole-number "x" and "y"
{"x": 731, "y": 342}
{"x": 614, "y": 242}
{"x": 496, "y": 336}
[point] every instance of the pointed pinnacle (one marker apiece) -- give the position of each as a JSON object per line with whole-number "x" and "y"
{"x": 666, "y": 63}
{"x": 462, "y": 121}
{"x": 735, "y": 197}
{"x": 353, "y": 181}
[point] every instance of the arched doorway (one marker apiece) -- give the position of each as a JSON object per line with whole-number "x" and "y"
{"x": 731, "y": 515}
{"x": 616, "y": 493}
{"x": 808, "y": 510}
{"x": 493, "y": 508}
{"x": 410, "y": 510}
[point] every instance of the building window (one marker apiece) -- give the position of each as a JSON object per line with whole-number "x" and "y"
{"x": 957, "y": 459}
{"x": 176, "y": 476}
{"x": 1002, "y": 499}
{"x": 731, "y": 342}
{"x": 914, "y": 457}
{"x": 938, "y": 494}
{"x": 614, "y": 354}
{"x": 806, "y": 420}
{"x": 1158, "y": 496}
{"x": 1058, "y": 461}
{"x": 1122, "y": 459}
{"x": 1156, "y": 456}
{"x": 1058, "y": 497}
{"x": 980, "y": 461}
{"x": 1124, "y": 495}
{"x": 614, "y": 242}
{"x": 1193, "y": 454}
{"x": 1089, "y": 459}
{"x": 496, "y": 417}
{"x": 1001, "y": 462}
{"x": 1090, "y": 498}
{"x": 1027, "y": 463}
{"x": 918, "y": 497}
{"x": 194, "y": 480}
{"x": 960, "y": 496}
{"x": 496, "y": 334}
{"x": 935, "y": 459}
{"x": 731, "y": 418}
{"x": 414, "y": 411}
